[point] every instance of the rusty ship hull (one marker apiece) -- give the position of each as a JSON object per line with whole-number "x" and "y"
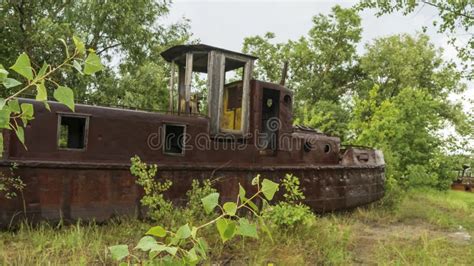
{"x": 94, "y": 192}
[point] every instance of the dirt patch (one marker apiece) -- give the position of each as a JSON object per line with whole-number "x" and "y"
{"x": 369, "y": 236}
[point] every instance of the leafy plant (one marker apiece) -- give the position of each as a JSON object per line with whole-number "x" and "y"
{"x": 15, "y": 115}
{"x": 11, "y": 111}
{"x": 288, "y": 215}
{"x": 290, "y": 212}
{"x": 291, "y": 184}
{"x": 198, "y": 191}
{"x": 158, "y": 206}
{"x": 185, "y": 245}
{"x": 10, "y": 184}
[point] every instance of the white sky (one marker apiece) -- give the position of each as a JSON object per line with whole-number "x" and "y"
{"x": 226, "y": 23}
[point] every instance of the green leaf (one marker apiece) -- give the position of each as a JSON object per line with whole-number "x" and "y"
{"x": 158, "y": 248}
{"x": 230, "y": 208}
{"x": 92, "y": 64}
{"x": 157, "y": 231}
{"x": 269, "y": 188}
{"x": 244, "y": 199}
{"x": 146, "y": 243}
{"x": 264, "y": 227}
{"x": 10, "y": 83}
{"x": 2, "y": 103}
{"x": 242, "y": 193}
{"x": 27, "y": 110}
{"x": 183, "y": 232}
{"x": 41, "y": 93}
{"x": 119, "y": 252}
{"x": 246, "y": 228}
{"x": 201, "y": 247}
{"x": 22, "y": 66}
{"x": 210, "y": 202}
{"x": 14, "y": 106}
{"x": 226, "y": 229}
{"x": 77, "y": 66}
{"x": 194, "y": 231}
{"x": 5, "y": 118}
{"x": 66, "y": 49}
{"x": 65, "y": 95}
{"x": 80, "y": 47}
{"x": 171, "y": 250}
{"x": 191, "y": 256}
{"x": 3, "y": 73}
{"x": 20, "y": 133}
{"x": 256, "y": 180}
{"x": 43, "y": 70}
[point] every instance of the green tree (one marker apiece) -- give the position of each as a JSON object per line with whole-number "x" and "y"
{"x": 406, "y": 127}
{"x": 455, "y": 18}
{"x": 322, "y": 65}
{"x": 127, "y": 35}
{"x": 399, "y": 61}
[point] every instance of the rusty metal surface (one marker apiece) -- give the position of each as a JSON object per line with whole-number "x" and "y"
{"x": 99, "y": 194}
{"x": 95, "y": 183}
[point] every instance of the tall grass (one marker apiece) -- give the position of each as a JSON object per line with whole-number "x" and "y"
{"x": 418, "y": 231}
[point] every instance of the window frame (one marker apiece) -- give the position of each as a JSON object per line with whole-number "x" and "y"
{"x": 246, "y": 78}
{"x": 184, "y": 126}
{"x": 86, "y": 130}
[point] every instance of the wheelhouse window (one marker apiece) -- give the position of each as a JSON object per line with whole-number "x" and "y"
{"x": 231, "y": 118}
{"x": 174, "y": 139}
{"x": 72, "y": 132}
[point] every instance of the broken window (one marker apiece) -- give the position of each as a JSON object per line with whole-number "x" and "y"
{"x": 174, "y": 139}
{"x": 72, "y": 132}
{"x": 231, "y": 119}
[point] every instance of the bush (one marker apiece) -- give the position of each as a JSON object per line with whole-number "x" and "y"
{"x": 394, "y": 194}
{"x": 10, "y": 184}
{"x": 198, "y": 191}
{"x": 158, "y": 207}
{"x": 290, "y": 213}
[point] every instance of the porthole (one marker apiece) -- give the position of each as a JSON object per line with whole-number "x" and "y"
{"x": 327, "y": 148}
{"x": 287, "y": 100}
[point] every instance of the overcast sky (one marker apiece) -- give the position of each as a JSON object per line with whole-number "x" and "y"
{"x": 226, "y": 23}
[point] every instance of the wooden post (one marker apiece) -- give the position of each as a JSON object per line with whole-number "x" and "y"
{"x": 187, "y": 81}
{"x": 284, "y": 73}
{"x": 244, "y": 127}
{"x": 214, "y": 80}
{"x": 181, "y": 89}
{"x": 171, "y": 88}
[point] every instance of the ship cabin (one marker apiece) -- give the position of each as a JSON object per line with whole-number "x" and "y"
{"x": 247, "y": 122}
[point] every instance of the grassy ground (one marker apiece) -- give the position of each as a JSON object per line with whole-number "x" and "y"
{"x": 427, "y": 227}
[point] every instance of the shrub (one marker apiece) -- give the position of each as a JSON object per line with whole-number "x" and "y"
{"x": 158, "y": 207}
{"x": 198, "y": 191}
{"x": 10, "y": 184}
{"x": 394, "y": 194}
{"x": 291, "y": 184}
{"x": 290, "y": 213}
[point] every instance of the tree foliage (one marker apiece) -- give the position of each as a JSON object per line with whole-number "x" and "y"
{"x": 127, "y": 35}
{"x": 322, "y": 65}
{"x": 393, "y": 96}
{"x": 455, "y": 18}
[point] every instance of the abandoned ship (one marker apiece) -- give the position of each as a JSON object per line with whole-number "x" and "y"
{"x": 77, "y": 163}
